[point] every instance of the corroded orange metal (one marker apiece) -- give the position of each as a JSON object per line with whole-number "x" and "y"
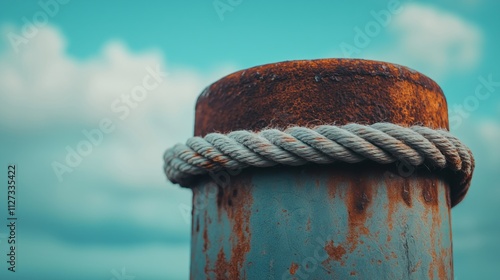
{"x": 314, "y": 92}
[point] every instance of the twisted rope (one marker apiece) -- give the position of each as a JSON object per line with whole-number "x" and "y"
{"x": 383, "y": 143}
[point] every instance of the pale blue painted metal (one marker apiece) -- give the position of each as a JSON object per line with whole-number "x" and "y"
{"x": 337, "y": 222}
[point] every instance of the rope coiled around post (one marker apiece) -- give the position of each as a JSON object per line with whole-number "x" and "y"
{"x": 383, "y": 143}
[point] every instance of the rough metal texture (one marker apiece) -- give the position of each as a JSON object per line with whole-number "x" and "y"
{"x": 316, "y": 92}
{"x": 322, "y": 223}
{"x": 362, "y": 221}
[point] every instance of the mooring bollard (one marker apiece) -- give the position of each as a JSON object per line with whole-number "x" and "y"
{"x": 362, "y": 220}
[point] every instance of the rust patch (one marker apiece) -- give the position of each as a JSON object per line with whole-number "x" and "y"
{"x": 448, "y": 199}
{"x": 336, "y": 253}
{"x": 333, "y": 182}
{"x": 392, "y": 198}
{"x": 238, "y": 210}
{"x": 419, "y": 263}
{"x": 439, "y": 259}
{"x": 406, "y": 192}
{"x": 442, "y": 266}
{"x": 220, "y": 264}
{"x": 398, "y": 190}
{"x": 359, "y": 196}
{"x": 206, "y": 241}
{"x": 393, "y": 255}
{"x": 429, "y": 191}
{"x": 308, "y": 225}
{"x": 293, "y": 268}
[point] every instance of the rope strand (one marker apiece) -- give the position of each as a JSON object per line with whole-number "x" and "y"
{"x": 380, "y": 142}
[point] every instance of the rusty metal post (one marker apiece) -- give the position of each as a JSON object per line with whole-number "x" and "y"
{"x": 339, "y": 221}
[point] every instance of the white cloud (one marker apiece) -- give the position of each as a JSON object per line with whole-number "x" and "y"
{"x": 42, "y": 86}
{"x": 433, "y": 41}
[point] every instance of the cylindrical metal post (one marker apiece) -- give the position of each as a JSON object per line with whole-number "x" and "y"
{"x": 338, "y": 221}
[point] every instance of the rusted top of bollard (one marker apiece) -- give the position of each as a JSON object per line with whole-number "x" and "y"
{"x": 324, "y": 91}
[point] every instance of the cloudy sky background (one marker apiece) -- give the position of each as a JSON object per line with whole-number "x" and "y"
{"x": 115, "y": 213}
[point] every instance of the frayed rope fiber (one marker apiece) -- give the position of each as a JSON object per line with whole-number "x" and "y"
{"x": 383, "y": 143}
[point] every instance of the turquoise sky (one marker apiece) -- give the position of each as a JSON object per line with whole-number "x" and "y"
{"x": 64, "y": 64}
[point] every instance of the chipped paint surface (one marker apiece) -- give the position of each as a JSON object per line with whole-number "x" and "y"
{"x": 314, "y": 222}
